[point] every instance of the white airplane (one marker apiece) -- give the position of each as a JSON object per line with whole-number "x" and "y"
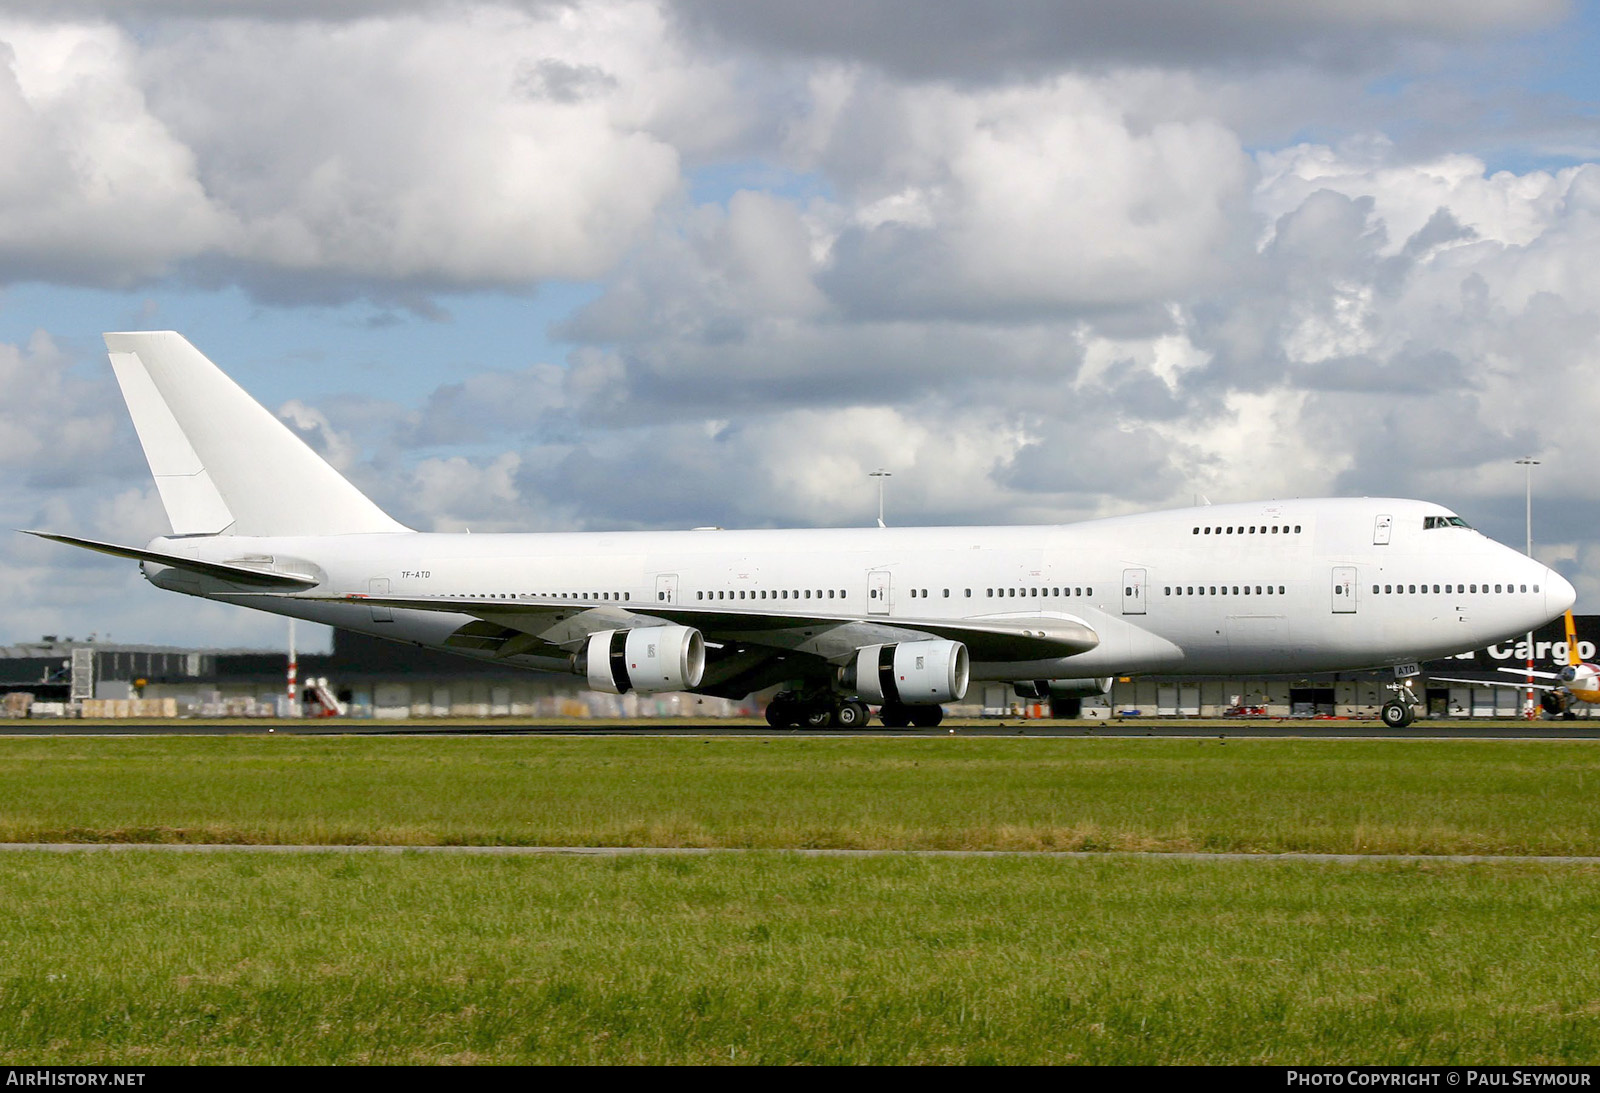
{"x": 898, "y": 618}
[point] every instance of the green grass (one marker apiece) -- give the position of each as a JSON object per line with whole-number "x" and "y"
{"x": 773, "y": 958}
{"x": 145, "y": 958}
{"x": 1431, "y": 797}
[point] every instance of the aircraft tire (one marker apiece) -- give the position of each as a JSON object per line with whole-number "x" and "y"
{"x": 1397, "y": 715}
{"x": 818, "y": 715}
{"x": 780, "y": 713}
{"x": 894, "y": 716}
{"x": 852, "y": 715}
{"x": 927, "y": 717}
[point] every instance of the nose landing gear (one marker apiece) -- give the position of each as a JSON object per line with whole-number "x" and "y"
{"x": 1401, "y": 710}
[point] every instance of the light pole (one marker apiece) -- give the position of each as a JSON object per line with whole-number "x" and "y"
{"x": 1527, "y": 463}
{"x": 880, "y": 474}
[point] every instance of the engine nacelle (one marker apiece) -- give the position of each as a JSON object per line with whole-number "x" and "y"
{"x": 1062, "y": 688}
{"x": 654, "y": 658}
{"x": 912, "y": 673}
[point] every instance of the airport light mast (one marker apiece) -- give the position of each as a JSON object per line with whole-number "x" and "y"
{"x": 1527, "y": 463}
{"x": 880, "y": 474}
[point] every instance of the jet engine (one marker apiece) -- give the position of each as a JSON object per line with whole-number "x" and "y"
{"x": 912, "y": 673}
{"x": 654, "y": 658}
{"x": 1062, "y": 688}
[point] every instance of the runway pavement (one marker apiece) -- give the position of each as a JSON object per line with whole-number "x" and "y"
{"x": 1131, "y": 727}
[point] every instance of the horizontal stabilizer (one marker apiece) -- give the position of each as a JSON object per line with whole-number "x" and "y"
{"x": 238, "y": 574}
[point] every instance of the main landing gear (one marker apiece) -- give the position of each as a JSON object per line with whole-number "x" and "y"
{"x": 826, "y": 710}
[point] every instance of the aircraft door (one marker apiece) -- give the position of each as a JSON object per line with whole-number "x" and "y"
{"x": 1382, "y": 527}
{"x": 1133, "y": 582}
{"x": 666, "y": 588}
{"x": 379, "y": 586}
{"x": 1344, "y": 590}
{"x": 878, "y": 592}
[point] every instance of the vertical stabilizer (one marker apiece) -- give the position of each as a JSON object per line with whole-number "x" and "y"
{"x": 222, "y": 462}
{"x": 1573, "y": 659}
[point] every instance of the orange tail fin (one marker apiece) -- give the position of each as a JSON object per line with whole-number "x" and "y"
{"x": 1572, "y": 642}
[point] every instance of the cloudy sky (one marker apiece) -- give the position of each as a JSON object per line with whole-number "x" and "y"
{"x": 664, "y": 263}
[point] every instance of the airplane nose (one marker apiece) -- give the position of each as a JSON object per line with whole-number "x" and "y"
{"x": 1559, "y": 595}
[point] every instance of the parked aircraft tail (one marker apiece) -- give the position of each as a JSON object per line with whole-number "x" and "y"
{"x": 222, "y": 462}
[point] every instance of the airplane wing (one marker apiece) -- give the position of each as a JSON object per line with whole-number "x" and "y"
{"x": 238, "y": 572}
{"x": 1525, "y": 672}
{"x": 1497, "y": 683}
{"x": 564, "y": 624}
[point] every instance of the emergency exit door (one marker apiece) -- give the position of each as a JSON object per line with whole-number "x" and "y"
{"x": 1344, "y": 590}
{"x": 1133, "y": 590}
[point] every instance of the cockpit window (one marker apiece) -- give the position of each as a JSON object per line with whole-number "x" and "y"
{"x": 1430, "y": 522}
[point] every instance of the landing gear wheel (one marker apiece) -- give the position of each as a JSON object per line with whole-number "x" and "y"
{"x": 781, "y": 713}
{"x": 927, "y": 717}
{"x": 1397, "y": 715}
{"x": 852, "y": 715}
{"x": 894, "y": 716}
{"x": 819, "y": 715}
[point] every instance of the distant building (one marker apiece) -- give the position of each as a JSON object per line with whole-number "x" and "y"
{"x": 377, "y": 678}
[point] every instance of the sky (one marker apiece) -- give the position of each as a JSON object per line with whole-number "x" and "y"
{"x": 637, "y": 264}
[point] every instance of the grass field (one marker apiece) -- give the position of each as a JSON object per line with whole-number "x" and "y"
{"x": 776, "y": 958}
{"x": 1431, "y": 797}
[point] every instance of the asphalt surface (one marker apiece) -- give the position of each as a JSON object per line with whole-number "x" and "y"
{"x": 1132, "y": 727}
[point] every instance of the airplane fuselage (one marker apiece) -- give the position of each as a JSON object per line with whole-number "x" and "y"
{"x": 1258, "y": 588}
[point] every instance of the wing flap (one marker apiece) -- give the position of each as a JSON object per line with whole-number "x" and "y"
{"x": 1017, "y": 638}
